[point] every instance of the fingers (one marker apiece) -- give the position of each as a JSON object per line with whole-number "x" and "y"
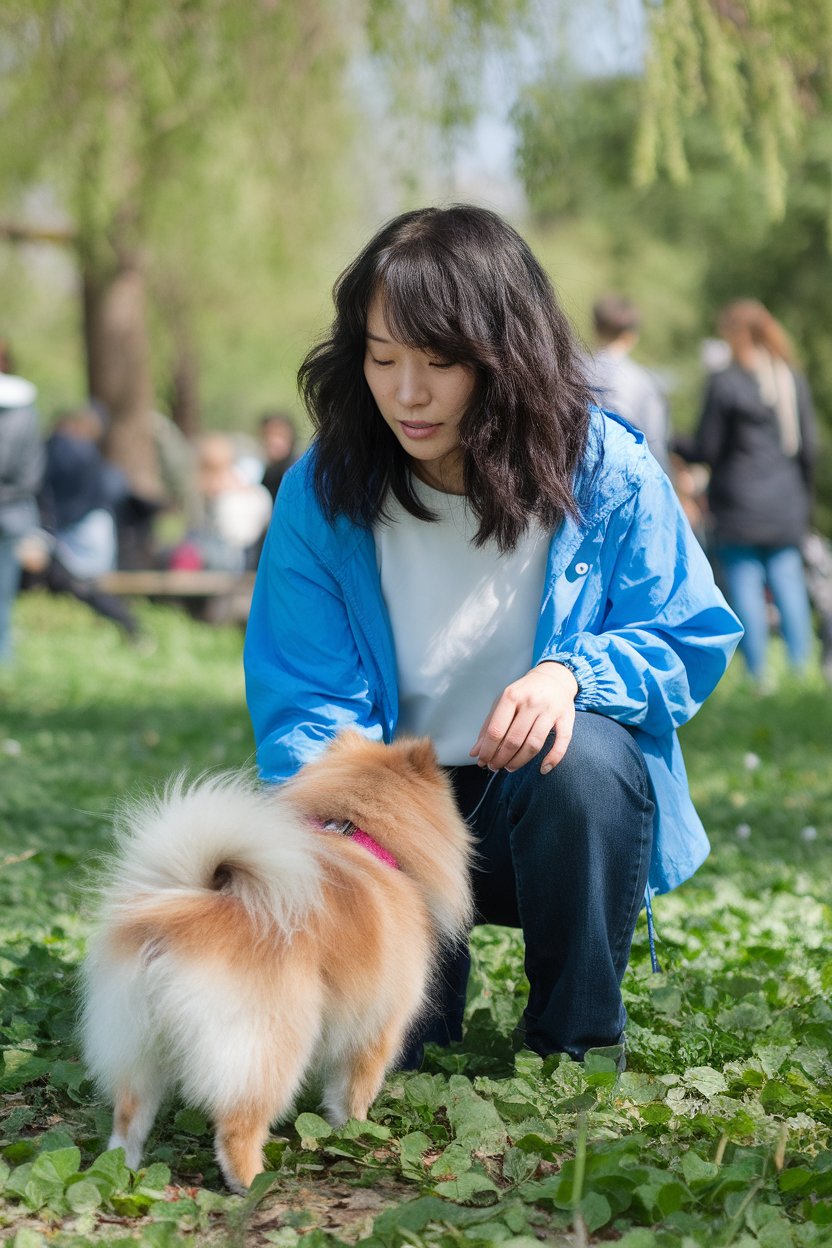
{"x": 520, "y": 721}
{"x": 474, "y": 752}
{"x": 512, "y": 755}
{"x": 514, "y": 731}
{"x": 563, "y": 735}
{"x": 508, "y": 719}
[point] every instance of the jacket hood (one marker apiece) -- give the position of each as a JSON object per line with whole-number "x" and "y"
{"x": 16, "y": 391}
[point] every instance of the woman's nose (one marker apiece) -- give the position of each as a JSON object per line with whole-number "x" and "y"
{"x": 412, "y": 390}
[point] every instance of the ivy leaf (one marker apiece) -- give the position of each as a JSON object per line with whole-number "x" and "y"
{"x": 110, "y": 1171}
{"x": 474, "y": 1120}
{"x": 28, "y": 1238}
{"x": 83, "y": 1196}
{"x": 154, "y": 1179}
{"x": 706, "y": 1080}
{"x": 312, "y": 1129}
{"x": 697, "y": 1171}
{"x": 412, "y": 1148}
{"x": 191, "y": 1121}
{"x": 519, "y": 1165}
{"x": 662, "y": 1197}
{"x": 59, "y": 1165}
{"x": 596, "y": 1211}
{"x": 469, "y": 1187}
{"x": 453, "y": 1161}
{"x": 355, "y": 1129}
{"x": 426, "y": 1092}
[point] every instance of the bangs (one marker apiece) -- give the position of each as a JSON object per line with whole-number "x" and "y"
{"x": 424, "y": 306}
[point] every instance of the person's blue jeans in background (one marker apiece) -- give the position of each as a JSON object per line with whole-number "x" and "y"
{"x": 565, "y": 858}
{"x": 9, "y": 584}
{"x": 747, "y": 571}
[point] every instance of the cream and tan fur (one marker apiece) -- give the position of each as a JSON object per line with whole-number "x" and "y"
{"x": 241, "y": 949}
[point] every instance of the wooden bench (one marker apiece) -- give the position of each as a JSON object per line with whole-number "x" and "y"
{"x": 215, "y": 597}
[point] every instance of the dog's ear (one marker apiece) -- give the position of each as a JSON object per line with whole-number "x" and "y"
{"x": 421, "y": 755}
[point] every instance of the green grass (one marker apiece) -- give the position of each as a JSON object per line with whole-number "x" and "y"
{"x": 717, "y": 1134}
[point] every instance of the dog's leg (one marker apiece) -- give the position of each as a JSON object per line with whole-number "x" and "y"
{"x": 351, "y": 1090}
{"x": 238, "y": 1144}
{"x": 133, "y": 1116}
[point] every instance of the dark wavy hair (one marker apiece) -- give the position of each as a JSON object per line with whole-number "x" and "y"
{"x": 461, "y": 283}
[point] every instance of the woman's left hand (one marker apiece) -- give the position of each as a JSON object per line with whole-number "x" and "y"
{"x": 519, "y": 722}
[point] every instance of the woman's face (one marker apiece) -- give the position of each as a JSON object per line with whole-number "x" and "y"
{"x": 422, "y": 398}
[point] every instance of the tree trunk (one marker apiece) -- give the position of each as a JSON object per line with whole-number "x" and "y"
{"x": 119, "y": 373}
{"x": 184, "y": 381}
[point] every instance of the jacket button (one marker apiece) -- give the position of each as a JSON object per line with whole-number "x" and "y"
{"x": 581, "y": 568}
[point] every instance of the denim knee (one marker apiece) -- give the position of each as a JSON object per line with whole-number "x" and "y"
{"x": 602, "y": 774}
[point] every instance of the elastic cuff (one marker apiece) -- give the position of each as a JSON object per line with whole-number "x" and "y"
{"x": 583, "y": 673}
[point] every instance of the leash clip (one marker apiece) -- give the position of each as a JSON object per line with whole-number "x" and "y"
{"x": 342, "y": 827}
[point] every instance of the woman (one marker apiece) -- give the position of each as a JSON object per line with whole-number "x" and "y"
{"x": 757, "y": 435}
{"x": 469, "y": 550}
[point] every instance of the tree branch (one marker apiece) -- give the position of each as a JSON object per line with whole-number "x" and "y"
{"x": 17, "y": 232}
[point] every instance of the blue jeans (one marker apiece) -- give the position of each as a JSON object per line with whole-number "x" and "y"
{"x": 748, "y": 570}
{"x": 9, "y": 583}
{"x": 564, "y": 857}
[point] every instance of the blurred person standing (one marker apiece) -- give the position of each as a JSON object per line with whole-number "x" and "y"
{"x": 21, "y": 468}
{"x": 80, "y": 493}
{"x": 279, "y": 438}
{"x": 226, "y": 530}
{"x": 623, "y": 386}
{"x": 757, "y": 435}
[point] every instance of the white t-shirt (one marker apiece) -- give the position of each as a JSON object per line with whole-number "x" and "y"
{"x": 463, "y": 617}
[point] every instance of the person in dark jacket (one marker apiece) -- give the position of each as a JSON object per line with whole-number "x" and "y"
{"x": 757, "y": 434}
{"x": 21, "y": 467}
{"x": 80, "y": 492}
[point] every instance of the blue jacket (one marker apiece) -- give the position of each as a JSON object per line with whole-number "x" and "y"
{"x": 629, "y": 604}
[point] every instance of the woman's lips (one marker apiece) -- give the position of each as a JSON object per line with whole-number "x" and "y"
{"x": 418, "y": 429}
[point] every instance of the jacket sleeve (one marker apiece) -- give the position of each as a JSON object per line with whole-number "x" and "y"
{"x": 665, "y": 635}
{"x": 31, "y": 457}
{"x": 305, "y": 680}
{"x": 808, "y": 429}
{"x": 711, "y": 433}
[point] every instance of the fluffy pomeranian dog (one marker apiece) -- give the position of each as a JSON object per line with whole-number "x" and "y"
{"x": 244, "y": 945}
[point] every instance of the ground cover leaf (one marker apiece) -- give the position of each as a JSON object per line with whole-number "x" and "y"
{"x": 728, "y": 1049}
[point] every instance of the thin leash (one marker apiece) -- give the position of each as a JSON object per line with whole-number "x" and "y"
{"x": 651, "y": 932}
{"x": 494, "y": 776}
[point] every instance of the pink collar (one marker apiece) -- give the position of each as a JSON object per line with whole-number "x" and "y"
{"x": 361, "y": 838}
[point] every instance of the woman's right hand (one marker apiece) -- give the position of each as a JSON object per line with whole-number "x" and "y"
{"x": 522, "y": 717}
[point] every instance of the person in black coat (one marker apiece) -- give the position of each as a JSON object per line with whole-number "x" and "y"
{"x": 80, "y": 492}
{"x": 757, "y": 434}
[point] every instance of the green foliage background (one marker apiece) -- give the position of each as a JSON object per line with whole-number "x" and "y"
{"x": 257, "y": 147}
{"x": 717, "y": 1134}
{"x": 681, "y": 250}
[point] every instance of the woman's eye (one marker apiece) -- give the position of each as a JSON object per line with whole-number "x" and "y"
{"x": 442, "y": 363}
{"x": 382, "y": 363}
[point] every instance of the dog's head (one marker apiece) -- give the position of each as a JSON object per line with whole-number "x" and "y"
{"x": 400, "y": 795}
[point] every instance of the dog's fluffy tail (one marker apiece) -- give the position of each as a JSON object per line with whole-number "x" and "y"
{"x": 224, "y": 833}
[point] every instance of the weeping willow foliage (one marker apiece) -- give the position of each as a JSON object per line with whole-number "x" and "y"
{"x": 759, "y": 68}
